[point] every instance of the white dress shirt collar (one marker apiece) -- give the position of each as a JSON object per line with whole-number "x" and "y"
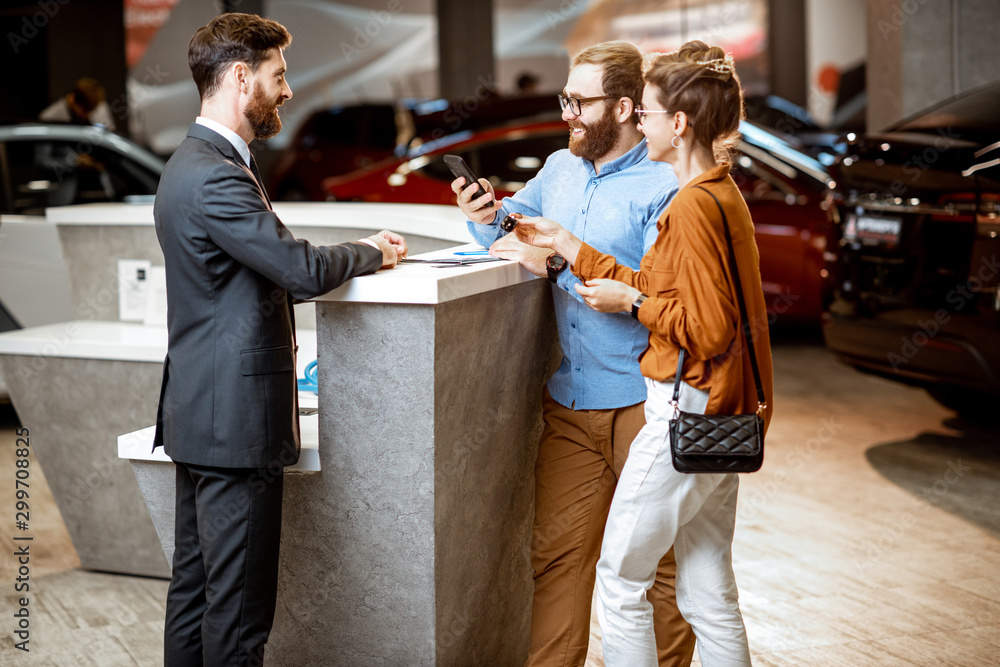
{"x": 235, "y": 139}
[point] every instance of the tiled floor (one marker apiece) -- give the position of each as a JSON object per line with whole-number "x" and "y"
{"x": 871, "y": 537}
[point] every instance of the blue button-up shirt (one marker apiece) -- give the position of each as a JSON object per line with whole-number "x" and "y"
{"x": 615, "y": 212}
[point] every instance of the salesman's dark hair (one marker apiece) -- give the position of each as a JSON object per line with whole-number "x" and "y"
{"x": 230, "y": 38}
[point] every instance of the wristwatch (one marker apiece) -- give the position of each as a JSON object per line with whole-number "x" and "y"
{"x": 637, "y": 304}
{"x": 554, "y": 265}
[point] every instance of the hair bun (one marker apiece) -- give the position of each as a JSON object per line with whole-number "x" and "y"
{"x": 713, "y": 60}
{"x": 722, "y": 68}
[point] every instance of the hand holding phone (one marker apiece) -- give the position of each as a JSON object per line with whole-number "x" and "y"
{"x": 460, "y": 168}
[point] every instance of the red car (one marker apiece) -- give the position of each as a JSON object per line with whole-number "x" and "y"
{"x": 784, "y": 188}
{"x": 507, "y": 156}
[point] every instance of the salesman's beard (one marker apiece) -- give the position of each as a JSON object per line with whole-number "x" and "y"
{"x": 598, "y": 138}
{"x": 262, "y": 114}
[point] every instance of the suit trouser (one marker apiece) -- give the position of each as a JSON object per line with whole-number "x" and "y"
{"x": 580, "y": 456}
{"x": 656, "y": 508}
{"x": 222, "y": 596}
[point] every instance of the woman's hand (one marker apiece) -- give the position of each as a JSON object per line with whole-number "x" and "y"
{"x": 544, "y": 233}
{"x": 608, "y": 296}
{"x": 537, "y": 231}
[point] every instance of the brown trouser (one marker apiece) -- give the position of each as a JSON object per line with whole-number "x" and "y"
{"x": 580, "y": 456}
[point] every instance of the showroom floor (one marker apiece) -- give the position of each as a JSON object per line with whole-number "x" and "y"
{"x": 871, "y": 537}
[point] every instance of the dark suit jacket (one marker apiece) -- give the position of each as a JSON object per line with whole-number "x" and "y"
{"x": 229, "y": 394}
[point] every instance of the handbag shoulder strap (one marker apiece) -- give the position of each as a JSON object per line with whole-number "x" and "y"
{"x": 744, "y": 319}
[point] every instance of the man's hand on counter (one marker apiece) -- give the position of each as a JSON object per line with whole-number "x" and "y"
{"x": 392, "y": 245}
{"x": 530, "y": 257}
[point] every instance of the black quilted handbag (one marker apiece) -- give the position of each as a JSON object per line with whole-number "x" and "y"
{"x": 719, "y": 443}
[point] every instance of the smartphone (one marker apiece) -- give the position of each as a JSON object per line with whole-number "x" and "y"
{"x": 459, "y": 168}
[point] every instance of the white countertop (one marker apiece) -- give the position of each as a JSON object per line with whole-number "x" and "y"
{"x": 424, "y": 284}
{"x": 429, "y": 220}
{"x": 115, "y": 341}
{"x": 88, "y": 339}
{"x": 407, "y": 283}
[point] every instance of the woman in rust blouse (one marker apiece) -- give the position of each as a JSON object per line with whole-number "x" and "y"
{"x": 684, "y": 294}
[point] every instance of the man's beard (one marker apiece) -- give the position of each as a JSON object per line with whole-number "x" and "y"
{"x": 262, "y": 114}
{"x": 598, "y": 138}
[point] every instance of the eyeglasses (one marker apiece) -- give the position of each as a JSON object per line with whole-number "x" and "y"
{"x": 640, "y": 112}
{"x": 575, "y": 104}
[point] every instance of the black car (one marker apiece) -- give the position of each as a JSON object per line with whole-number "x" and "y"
{"x": 914, "y": 265}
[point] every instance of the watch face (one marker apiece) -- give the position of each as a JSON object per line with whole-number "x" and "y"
{"x": 556, "y": 262}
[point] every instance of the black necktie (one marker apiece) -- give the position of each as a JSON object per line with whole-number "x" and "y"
{"x": 260, "y": 181}
{"x": 291, "y": 309}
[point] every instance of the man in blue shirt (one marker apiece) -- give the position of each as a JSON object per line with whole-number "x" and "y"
{"x": 607, "y": 192}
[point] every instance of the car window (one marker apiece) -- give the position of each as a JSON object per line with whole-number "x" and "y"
{"x": 126, "y": 176}
{"x": 373, "y": 127}
{"x": 508, "y": 164}
{"x": 58, "y": 173}
{"x": 28, "y": 184}
{"x": 516, "y": 162}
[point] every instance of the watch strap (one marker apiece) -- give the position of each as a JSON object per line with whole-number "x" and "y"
{"x": 637, "y": 304}
{"x": 552, "y": 271}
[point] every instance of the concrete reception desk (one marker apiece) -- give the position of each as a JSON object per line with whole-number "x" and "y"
{"x": 79, "y": 384}
{"x": 406, "y": 538}
{"x": 411, "y": 544}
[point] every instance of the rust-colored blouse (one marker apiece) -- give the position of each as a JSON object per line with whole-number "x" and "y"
{"x": 691, "y": 299}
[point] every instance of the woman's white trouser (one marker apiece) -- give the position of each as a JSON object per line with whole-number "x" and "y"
{"x": 655, "y": 507}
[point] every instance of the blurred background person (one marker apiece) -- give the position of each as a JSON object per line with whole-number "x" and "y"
{"x": 527, "y": 84}
{"x": 84, "y": 105}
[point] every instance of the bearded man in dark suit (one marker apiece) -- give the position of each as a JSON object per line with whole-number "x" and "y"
{"x": 228, "y": 413}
